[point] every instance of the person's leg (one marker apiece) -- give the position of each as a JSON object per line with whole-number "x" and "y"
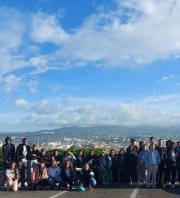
{"x": 149, "y": 172}
{"x": 22, "y": 174}
{"x": 15, "y": 185}
{"x": 106, "y": 177}
{"x": 173, "y": 176}
{"x": 51, "y": 181}
{"x": 154, "y": 173}
{"x": 110, "y": 176}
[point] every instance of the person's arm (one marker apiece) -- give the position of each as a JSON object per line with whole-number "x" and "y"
{"x": 72, "y": 156}
{"x": 110, "y": 162}
{"x": 4, "y": 153}
{"x": 45, "y": 174}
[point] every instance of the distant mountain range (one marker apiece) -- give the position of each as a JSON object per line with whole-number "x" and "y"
{"x": 117, "y": 130}
{"x": 108, "y": 130}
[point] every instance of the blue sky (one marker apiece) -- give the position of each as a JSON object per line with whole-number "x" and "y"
{"x": 88, "y": 63}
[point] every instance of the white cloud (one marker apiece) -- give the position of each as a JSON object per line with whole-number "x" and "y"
{"x": 22, "y": 103}
{"x": 45, "y": 28}
{"x": 67, "y": 111}
{"x": 9, "y": 83}
{"x": 132, "y": 34}
{"x": 167, "y": 78}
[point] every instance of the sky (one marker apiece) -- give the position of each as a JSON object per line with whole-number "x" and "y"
{"x": 89, "y": 63}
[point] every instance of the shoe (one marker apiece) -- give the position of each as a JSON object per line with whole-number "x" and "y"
{"x": 25, "y": 184}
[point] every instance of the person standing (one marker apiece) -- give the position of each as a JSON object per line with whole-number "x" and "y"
{"x": 161, "y": 167}
{"x": 141, "y": 170}
{"x": 22, "y": 152}
{"x": 8, "y": 152}
{"x": 152, "y": 160}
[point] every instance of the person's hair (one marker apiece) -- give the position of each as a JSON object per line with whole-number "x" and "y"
{"x": 55, "y": 150}
{"x": 91, "y": 150}
{"x": 152, "y": 137}
{"x": 112, "y": 150}
{"x": 7, "y": 138}
{"x": 70, "y": 164}
{"x": 24, "y": 139}
{"x": 121, "y": 149}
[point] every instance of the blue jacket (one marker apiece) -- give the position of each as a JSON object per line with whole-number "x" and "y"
{"x": 148, "y": 157}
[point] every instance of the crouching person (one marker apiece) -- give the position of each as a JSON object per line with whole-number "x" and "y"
{"x": 87, "y": 177}
{"x": 12, "y": 177}
{"x": 68, "y": 175}
{"x": 40, "y": 176}
{"x": 54, "y": 173}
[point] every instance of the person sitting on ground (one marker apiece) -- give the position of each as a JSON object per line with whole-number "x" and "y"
{"x": 54, "y": 173}
{"x": 87, "y": 177}
{"x": 12, "y": 177}
{"x": 40, "y": 176}
{"x": 68, "y": 175}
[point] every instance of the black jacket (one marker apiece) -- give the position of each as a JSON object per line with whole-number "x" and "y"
{"x": 19, "y": 152}
{"x": 8, "y": 152}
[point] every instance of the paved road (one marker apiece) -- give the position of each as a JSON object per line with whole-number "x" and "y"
{"x": 124, "y": 192}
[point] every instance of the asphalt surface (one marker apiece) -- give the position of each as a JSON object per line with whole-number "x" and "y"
{"x": 124, "y": 192}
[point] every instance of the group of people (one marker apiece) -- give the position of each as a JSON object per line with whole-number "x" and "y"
{"x": 147, "y": 164}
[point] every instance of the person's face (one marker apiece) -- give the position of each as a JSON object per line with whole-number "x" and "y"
{"x": 87, "y": 167}
{"x": 25, "y": 142}
{"x": 54, "y": 164}
{"x": 80, "y": 153}
{"x": 152, "y": 147}
{"x": 133, "y": 143}
{"x": 42, "y": 165}
{"x": 103, "y": 153}
{"x": 12, "y": 165}
{"x": 92, "y": 153}
{"x": 173, "y": 146}
{"x": 8, "y": 141}
{"x": 55, "y": 153}
{"x": 152, "y": 141}
{"x": 67, "y": 164}
{"x": 160, "y": 143}
{"x": 121, "y": 152}
{"x": 112, "y": 153}
{"x": 141, "y": 144}
{"x": 145, "y": 148}
{"x": 34, "y": 147}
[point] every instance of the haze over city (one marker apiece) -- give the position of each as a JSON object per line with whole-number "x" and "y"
{"x": 89, "y": 63}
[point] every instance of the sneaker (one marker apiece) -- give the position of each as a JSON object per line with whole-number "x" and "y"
{"x": 25, "y": 184}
